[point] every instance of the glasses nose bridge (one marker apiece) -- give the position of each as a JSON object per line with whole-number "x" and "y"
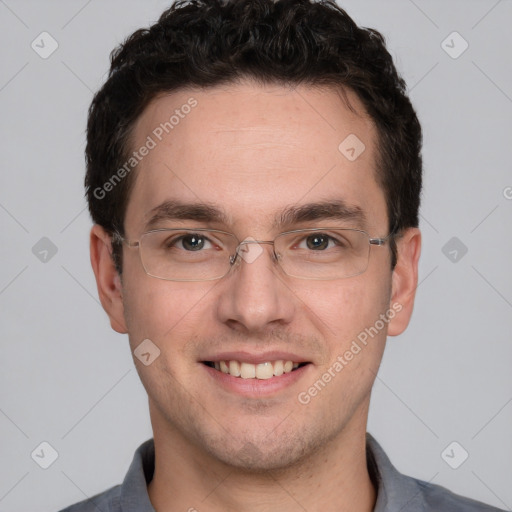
{"x": 249, "y": 241}
{"x": 236, "y": 258}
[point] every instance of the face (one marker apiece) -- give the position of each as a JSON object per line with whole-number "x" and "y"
{"x": 252, "y": 153}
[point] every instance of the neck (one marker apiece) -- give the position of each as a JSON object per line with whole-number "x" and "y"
{"x": 335, "y": 477}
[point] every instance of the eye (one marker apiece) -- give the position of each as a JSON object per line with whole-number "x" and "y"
{"x": 318, "y": 242}
{"x": 189, "y": 242}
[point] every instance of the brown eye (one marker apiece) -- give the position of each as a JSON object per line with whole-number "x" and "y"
{"x": 318, "y": 241}
{"x": 193, "y": 242}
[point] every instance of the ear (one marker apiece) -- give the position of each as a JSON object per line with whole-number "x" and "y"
{"x": 404, "y": 280}
{"x": 108, "y": 280}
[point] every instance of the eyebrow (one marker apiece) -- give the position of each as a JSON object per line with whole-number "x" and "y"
{"x": 178, "y": 210}
{"x": 323, "y": 210}
{"x": 295, "y": 214}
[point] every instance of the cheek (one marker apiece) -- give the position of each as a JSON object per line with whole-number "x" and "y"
{"x": 160, "y": 310}
{"x": 348, "y": 315}
{"x": 342, "y": 309}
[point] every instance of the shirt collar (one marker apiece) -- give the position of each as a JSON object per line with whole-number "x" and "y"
{"x": 395, "y": 492}
{"x": 134, "y": 491}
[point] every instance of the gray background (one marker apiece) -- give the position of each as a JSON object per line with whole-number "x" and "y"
{"x": 66, "y": 378}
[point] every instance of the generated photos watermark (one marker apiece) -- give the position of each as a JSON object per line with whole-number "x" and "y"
{"x": 151, "y": 142}
{"x": 357, "y": 345}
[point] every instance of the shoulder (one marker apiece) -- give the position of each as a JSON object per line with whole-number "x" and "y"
{"x": 132, "y": 494}
{"x": 107, "y": 501}
{"x": 396, "y": 491}
{"x": 437, "y": 498}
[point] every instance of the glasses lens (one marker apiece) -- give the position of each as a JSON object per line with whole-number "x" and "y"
{"x": 204, "y": 255}
{"x": 187, "y": 255}
{"x": 323, "y": 253}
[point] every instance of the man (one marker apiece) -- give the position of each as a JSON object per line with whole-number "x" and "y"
{"x": 254, "y": 175}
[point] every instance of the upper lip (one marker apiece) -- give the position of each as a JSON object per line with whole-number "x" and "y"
{"x": 255, "y": 358}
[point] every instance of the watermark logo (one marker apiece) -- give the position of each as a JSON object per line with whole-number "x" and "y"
{"x": 44, "y": 45}
{"x": 146, "y": 352}
{"x": 44, "y": 250}
{"x": 44, "y": 455}
{"x": 352, "y": 147}
{"x": 454, "y": 249}
{"x": 250, "y": 250}
{"x": 454, "y": 455}
{"x": 454, "y": 45}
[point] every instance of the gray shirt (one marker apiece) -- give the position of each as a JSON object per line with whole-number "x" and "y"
{"x": 395, "y": 492}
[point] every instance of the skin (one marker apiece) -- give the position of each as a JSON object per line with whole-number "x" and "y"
{"x": 252, "y": 150}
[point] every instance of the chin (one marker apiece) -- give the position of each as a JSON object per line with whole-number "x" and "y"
{"x": 252, "y": 455}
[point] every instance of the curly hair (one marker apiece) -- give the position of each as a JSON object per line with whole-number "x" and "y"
{"x": 204, "y": 43}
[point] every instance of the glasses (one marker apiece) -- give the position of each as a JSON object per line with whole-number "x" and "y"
{"x": 190, "y": 254}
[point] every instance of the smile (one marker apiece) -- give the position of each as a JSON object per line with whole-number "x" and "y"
{"x": 262, "y": 371}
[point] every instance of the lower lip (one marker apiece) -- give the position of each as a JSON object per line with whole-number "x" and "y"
{"x": 256, "y": 387}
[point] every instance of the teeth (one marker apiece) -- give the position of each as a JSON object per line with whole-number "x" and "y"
{"x": 247, "y": 371}
{"x": 234, "y": 368}
{"x": 265, "y": 370}
{"x": 278, "y": 368}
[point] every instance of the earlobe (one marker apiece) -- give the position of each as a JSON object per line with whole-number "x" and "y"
{"x": 405, "y": 280}
{"x": 108, "y": 280}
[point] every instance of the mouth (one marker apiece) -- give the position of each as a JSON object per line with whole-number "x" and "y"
{"x": 261, "y": 371}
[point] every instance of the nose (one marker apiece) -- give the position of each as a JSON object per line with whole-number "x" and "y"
{"x": 254, "y": 296}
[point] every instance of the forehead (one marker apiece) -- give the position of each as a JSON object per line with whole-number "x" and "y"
{"x": 252, "y": 151}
